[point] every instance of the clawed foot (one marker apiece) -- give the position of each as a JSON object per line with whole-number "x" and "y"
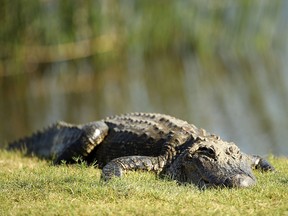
{"x": 264, "y": 165}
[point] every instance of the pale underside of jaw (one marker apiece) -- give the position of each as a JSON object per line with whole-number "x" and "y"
{"x": 236, "y": 181}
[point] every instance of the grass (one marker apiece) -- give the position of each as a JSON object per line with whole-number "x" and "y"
{"x": 29, "y": 186}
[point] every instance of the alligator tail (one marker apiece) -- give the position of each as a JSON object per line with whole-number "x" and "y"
{"x": 47, "y": 142}
{"x": 62, "y": 141}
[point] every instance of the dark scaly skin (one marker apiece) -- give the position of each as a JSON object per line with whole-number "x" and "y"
{"x": 62, "y": 141}
{"x": 152, "y": 142}
{"x": 145, "y": 134}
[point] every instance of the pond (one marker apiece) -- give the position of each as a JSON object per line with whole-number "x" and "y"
{"x": 222, "y": 67}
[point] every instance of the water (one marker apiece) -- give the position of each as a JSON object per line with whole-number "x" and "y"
{"x": 222, "y": 68}
{"x": 225, "y": 106}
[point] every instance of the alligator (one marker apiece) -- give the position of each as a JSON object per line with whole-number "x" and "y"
{"x": 160, "y": 143}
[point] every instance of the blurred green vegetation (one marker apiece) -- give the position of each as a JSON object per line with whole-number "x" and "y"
{"x": 218, "y": 64}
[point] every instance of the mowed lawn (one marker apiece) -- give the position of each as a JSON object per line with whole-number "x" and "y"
{"x": 29, "y": 186}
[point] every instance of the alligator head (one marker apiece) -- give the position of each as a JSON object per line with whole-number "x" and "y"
{"x": 212, "y": 163}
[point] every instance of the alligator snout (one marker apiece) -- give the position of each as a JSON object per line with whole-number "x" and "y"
{"x": 240, "y": 180}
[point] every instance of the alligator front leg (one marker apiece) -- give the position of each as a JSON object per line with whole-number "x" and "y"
{"x": 119, "y": 166}
{"x": 260, "y": 163}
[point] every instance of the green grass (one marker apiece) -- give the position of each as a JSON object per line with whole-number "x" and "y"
{"x": 29, "y": 186}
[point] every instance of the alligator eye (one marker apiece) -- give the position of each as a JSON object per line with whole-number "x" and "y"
{"x": 206, "y": 151}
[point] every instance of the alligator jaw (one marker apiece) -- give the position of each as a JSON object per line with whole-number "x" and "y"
{"x": 210, "y": 164}
{"x": 236, "y": 181}
{"x": 240, "y": 180}
{"x": 233, "y": 180}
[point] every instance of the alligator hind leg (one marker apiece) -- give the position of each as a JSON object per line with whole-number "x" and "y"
{"x": 91, "y": 135}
